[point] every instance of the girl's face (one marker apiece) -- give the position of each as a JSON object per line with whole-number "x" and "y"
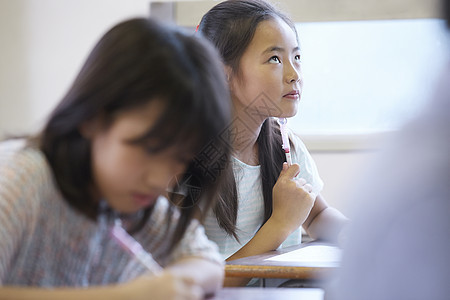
{"x": 269, "y": 81}
{"x": 129, "y": 176}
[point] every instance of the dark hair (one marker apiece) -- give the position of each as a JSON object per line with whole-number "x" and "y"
{"x": 445, "y": 5}
{"x": 136, "y": 62}
{"x": 231, "y": 25}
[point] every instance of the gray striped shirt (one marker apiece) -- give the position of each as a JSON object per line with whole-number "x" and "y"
{"x": 45, "y": 242}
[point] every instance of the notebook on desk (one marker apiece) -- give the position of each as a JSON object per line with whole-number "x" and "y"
{"x": 311, "y": 254}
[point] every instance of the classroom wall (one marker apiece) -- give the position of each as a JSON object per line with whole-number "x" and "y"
{"x": 43, "y": 44}
{"x": 14, "y": 81}
{"x": 340, "y": 172}
{"x": 187, "y": 13}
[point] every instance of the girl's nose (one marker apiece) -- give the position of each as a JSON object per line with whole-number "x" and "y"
{"x": 293, "y": 73}
{"x": 160, "y": 176}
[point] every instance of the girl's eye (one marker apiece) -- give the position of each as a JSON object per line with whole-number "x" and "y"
{"x": 297, "y": 57}
{"x": 150, "y": 150}
{"x": 274, "y": 60}
{"x": 184, "y": 160}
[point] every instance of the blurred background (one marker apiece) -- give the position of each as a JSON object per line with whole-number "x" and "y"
{"x": 368, "y": 67}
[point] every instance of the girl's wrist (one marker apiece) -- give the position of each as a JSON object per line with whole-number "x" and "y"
{"x": 279, "y": 225}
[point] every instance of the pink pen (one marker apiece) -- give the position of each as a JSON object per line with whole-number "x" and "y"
{"x": 129, "y": 244}
{"x": 284, "y": 137}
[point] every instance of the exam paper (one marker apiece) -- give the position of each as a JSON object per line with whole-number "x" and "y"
{"x": 311, "y": 254}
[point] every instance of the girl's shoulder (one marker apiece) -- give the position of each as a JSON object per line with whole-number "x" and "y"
{"x": 17, "y": 153}
{"x": 22, "y": 165}
{"x": 10, "y": 147}
{"x": 297, "y": 144}
{"x": 25, "y": 184}
{"x": 308, "y": 168}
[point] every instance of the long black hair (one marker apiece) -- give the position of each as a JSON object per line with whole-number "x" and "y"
{"x": 135, "y": 62}
{"x": 231, "y": 25}
{"x": 445, "y": 5}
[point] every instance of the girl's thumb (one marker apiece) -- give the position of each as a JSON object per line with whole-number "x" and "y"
{"x": 290, "y": 171}
{"x": 285, "y": 168}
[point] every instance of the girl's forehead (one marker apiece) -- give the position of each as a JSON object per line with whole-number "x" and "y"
{"x": 274, "y": 32}
{"x": 143, "y": 116}
{"x": 158, "y": 126}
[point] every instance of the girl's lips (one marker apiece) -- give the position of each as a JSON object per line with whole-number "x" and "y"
{"x": 295, "y": 94}
{"x": 144, "y": 199}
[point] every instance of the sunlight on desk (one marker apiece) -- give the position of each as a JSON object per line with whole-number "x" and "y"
{"x": 307, "y": 261}
{"x": 268, "y": 294}
{"x": 311, "y": 254}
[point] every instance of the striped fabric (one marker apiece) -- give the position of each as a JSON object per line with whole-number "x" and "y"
{"x": 251, "y": 203}
{"x": 44, "y": 242}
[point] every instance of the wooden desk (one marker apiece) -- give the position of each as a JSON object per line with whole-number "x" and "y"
{"x": 326, "y": 261}
{"x": 268, "y": 294}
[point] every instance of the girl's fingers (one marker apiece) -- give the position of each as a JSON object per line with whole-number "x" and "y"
{"x": 307, "y": 187}
{"x": 283, "y": 171}
{"x": 300, "y": 182}
{"x": 291, "y": 171}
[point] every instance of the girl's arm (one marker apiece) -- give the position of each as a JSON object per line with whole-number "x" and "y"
{"x": 206, "y": 274}
{"x": 269, "y": 237}
{"x": 182, "y": 281}
{"x": 23, "y": 293}
{"x": 325, "y": 223}
{"x": 292, "y": 204}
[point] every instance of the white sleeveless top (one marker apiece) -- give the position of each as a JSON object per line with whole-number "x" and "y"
{"x": 251, "y": 202}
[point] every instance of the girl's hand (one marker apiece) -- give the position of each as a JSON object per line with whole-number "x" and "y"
{"x": 164, "y": 286}
{"x": 292, "y": 198}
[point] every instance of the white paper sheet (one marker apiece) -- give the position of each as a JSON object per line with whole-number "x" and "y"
{"x": 311, "y": 254}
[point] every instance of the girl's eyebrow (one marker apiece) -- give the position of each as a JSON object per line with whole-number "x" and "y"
{"x": 279, "y": 49}
{"x": 296, "y": 49}
{"x": 273, "y": 49}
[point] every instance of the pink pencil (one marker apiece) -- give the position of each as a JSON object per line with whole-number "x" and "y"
{"x": 129, "y": 244}
{"x": 284, "y": 136}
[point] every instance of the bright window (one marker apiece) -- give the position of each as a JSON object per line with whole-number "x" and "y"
{"x": 367, "y": 76}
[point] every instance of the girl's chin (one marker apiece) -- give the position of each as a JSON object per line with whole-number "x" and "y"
{"x": 287, "y": 114}
{"x": 133, "y": 207}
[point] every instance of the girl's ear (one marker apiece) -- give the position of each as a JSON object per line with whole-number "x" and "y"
{"x": 229, "y": 74}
